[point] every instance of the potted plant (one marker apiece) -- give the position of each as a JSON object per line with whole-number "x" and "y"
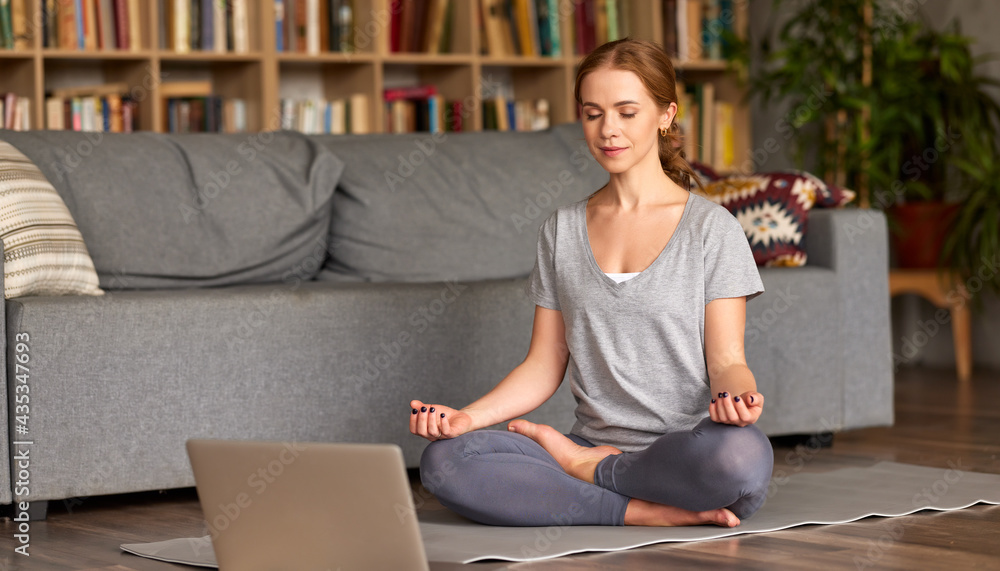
{"x": 919, "y": 128}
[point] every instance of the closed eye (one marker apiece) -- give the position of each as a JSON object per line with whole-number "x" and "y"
{"x": 599, "y": 115}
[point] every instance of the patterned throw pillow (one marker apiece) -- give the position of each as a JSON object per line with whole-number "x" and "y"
{"x": 773, "y": 209}
{"x": 43, "y": 252}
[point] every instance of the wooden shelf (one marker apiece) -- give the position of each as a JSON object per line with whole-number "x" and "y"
{"x": 260, "y": 75}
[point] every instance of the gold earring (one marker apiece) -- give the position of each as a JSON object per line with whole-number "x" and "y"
{"x": 663, "y": 131}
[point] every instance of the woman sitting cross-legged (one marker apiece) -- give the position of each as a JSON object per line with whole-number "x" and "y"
{"x": 641, "y": 290}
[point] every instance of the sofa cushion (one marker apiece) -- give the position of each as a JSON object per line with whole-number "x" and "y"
{"x": 44, "y": 253}
{"x": 173, "y": 210}
{"x": 420, "y": 207}
{"x": 773, "y": 209}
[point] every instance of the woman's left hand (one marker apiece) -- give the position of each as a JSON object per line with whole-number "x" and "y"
{"x": 739, "y": 410}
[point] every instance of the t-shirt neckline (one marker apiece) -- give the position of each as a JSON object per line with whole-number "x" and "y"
{"x": 609, "y": 281}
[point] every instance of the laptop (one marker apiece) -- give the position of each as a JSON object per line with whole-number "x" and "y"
{"x": 304, "y": 506}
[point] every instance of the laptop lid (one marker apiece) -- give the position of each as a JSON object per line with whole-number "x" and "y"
{"x": 293, "y": 505}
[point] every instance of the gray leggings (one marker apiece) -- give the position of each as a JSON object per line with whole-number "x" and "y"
{"x": 504, "y": 478}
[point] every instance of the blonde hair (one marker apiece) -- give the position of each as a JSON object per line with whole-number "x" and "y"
{"x": 652, "y": 65}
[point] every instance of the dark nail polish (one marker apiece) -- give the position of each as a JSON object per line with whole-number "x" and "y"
{"x": 414, "y": 411}
{"x": 737, "y": 399}
{"x": 720, "y": 395}
{"x": 432, "y": 409}
{"x": 423, "y": 409}
{"x": 751, "y": 399}
{"x": 442, "y": 415}
{"x": 725, "y": 395}
{"x": 713, "y": 402}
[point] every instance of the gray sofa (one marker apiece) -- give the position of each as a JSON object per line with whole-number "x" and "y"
{"x": 281, "y": 286}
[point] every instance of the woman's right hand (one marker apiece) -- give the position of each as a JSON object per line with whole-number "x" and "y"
{"x": 437, "y": 422}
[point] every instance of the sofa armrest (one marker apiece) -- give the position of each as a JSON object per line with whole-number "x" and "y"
{"x": 6, "y": 494}
{"x": 855, "y": 244}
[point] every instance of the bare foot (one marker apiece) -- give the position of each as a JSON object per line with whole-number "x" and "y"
{"x": 578, "y": 461}
{"x": 641, "y": 512}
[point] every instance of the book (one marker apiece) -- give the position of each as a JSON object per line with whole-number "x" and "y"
{"x": 54, "y": 113}
{"x": 724, "y": 155}
{"x": 508, "y": 24}
{"x": 6, "y": 26}
{"x": 90, "y": 24}
{"x": 524, "y": 38}
{"x": 690, "y": 42}
{"x": 419, "y": 26}
{"x": 180, "y": 24}
{"x": 345, "y": 26}
{"x": 19, "y": 24}
{"x": 207, "y": 25}
{"x": 219, "y": 31}
{"x": 493, "y": 26}
{"x": 106, "y": 26}
{"x": 241, "y": 27}
{"x": 279, "y": 25}
{"x": 133, "y": 42}
{"x": 712, "y": 29}
{"x": 407, "y": 12}
{"x": 323, "y": 23}
{"x": 435, "y": 22}
{"x": 670, "y": 27}
{"x": 614, "y": 29}
{"x": 600, "y": 22}
{"x": 311, "y": 26}
{"x": 121, "y": 24}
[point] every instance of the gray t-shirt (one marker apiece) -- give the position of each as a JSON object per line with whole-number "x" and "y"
{"x": 637, "y": 348}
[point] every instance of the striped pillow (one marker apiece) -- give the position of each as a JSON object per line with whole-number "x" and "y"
{"x": 43, "y": 251}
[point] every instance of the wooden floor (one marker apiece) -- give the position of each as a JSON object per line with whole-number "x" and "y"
{"x": 937, "y": 421}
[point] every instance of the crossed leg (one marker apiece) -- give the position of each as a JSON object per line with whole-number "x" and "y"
{"x": 533, "y": 475}
{"x": 581, "y": 462}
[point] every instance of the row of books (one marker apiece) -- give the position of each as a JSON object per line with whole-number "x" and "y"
{"x": 698, "y": 29}
{"x": 706, "y": 126}
{"x": 206, "y": 114}
{"x": 312, "y": 26}
{"x": 596, "y": 22}
{"x": 15, "y": 112}
{"x": 90, "y": 24}
{"x": 206, "y": 25}
{"x": 421, "y": 25}
{"x": 505, "y": 114}
{"x": 14, "y": 25}
{"x": 422, "y": 108}
{"x": 345, "y": 115}
{"x": 109, "y": 113}
{"x": 523, "y": 27}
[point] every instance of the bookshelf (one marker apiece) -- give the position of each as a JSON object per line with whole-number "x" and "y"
{"x": 262, "y": 75}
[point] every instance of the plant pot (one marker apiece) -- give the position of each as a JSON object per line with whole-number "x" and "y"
{"x": 921, "y": 228}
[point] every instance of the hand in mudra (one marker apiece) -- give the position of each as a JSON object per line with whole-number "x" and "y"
{"x": 437, "y": 422}
{"x": 738, "y": 410}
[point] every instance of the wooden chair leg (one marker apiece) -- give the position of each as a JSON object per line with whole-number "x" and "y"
{"x": 961, "y": 329}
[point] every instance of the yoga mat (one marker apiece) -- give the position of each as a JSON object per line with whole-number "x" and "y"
{"x": 885, "y": 489}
